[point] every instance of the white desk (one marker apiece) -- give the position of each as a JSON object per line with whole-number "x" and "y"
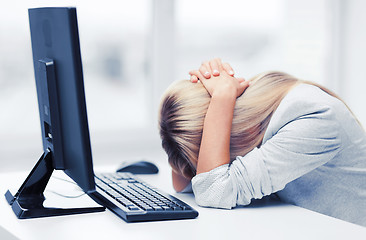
{"x": 272, "y": 220}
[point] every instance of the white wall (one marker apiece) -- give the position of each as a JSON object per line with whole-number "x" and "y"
{"x": 353, "y": 57}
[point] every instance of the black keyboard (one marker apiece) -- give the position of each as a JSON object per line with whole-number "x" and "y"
{"x": 134, "y": 200}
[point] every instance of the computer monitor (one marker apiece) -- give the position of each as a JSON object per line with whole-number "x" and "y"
{"x": 62, "y": 111}
{"x": 61, "y": 99}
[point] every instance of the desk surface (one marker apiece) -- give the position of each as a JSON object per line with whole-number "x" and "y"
{"x": 264, "y": 219}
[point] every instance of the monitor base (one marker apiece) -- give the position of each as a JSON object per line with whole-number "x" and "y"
{"x": 28, "y": 201}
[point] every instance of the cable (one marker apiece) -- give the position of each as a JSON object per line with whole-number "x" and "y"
{"x": 65, "y": 180}
{"x": 65, "y": 196}
{"x": 62, "y": 195}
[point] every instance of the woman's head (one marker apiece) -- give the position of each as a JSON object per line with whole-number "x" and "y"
{"x": 182, "y": 112}
{"x": 184, "y": 106}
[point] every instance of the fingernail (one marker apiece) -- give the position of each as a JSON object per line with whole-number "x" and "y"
{"x": 216, "y": 71}
{"x": 231, "y": 72}
{"x": 207, "y": 74}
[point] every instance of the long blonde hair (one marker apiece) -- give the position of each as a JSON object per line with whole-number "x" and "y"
{"x": 184, "y": 106}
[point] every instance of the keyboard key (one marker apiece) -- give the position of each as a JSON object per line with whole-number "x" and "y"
{"x": 165, "y": 208}
{"x": 149, "y": 209}
{"x": 133, "y": 208}
{"x": 157, "y": 208}
{"x": 146, "y": 207}
{"x": 124, "y": 201}
{"x": 176, "y": 208}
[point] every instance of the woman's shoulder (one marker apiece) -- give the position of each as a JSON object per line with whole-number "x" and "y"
{"x": 307, "y": 94}
{"x": 304, "y": 100}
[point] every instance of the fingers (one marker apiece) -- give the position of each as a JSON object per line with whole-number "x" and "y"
{"x": 211, "y": 68}
{"x": 216, "y": 66}
{"x": 205, "y": 69}
{"x": 240, "y": 80}
{"x": 194, "y": 78}
{"x": 228, "y": 69}
{"x": 242, "y": 86}
{"x": 195, "y": 75}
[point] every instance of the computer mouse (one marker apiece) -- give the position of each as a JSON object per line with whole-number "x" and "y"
{"x": 138, "y": 167}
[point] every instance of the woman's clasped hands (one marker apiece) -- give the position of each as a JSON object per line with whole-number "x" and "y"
{"x": 218, "y": 78}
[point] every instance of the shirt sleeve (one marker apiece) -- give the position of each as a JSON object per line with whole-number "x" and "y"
{"x": 298, "y": 147}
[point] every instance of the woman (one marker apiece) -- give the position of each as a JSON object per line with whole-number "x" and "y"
{"x": 238, "y": 140}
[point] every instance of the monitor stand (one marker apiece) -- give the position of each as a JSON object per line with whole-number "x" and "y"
{"x": 28, "y": 201}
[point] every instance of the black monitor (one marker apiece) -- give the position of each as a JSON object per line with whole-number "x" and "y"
{"x": 62, "y": 111}
{"x": 61, "y": 98}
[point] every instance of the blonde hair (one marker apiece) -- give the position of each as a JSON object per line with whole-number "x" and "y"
{"x": 184, "y": 106}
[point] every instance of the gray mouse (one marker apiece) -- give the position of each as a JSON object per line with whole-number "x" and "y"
{"x": 138, "y": 167}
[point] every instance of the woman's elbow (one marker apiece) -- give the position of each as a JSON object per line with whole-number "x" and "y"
{"x": 216, "y": 197}
{"x": 207, "y": 202}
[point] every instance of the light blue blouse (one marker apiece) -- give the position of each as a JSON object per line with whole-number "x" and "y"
{"x": 313, "y": 155}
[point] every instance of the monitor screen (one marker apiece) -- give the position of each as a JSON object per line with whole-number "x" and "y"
{"x": 60, "y": 92}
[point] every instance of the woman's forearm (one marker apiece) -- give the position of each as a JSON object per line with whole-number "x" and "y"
{"x": 215, "y": 144}
{"x": 179, "y": 182}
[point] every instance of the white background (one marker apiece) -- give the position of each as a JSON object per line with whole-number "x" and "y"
{"x": 132, "y": 50}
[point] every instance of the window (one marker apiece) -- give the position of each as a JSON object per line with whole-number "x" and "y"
{"x": 115, "y": 44}
{"x": 254, "y": 36}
